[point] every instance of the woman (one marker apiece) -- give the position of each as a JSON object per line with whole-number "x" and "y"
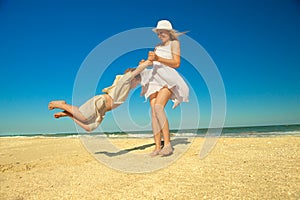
{"x": 90, "y": 115}
{"x": 162, "y": 83}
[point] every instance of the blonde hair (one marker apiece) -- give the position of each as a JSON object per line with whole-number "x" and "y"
{"x": 175, "y": 34}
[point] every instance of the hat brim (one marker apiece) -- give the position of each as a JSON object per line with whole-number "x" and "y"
{"x": 155, "y": 29}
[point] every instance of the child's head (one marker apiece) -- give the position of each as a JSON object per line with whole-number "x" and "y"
{"x": 136, "y": 80}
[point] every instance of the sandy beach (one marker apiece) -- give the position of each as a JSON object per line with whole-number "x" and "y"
{"x": 237, "y": 168}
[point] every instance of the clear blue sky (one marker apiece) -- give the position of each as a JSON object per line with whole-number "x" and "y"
{"x": 255, "y": 45}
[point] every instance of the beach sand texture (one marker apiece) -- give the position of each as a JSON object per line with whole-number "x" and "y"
{"x": 237, "y": 168}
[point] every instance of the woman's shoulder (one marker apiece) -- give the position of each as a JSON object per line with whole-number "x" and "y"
{"x": 175, "y": 45}
{"x": 175, "y": 42}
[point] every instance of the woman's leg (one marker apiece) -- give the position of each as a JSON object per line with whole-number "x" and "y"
{"x": 73, "y": 110}
{"x": 161, "y": 100}
{"x": 156, "y": 129}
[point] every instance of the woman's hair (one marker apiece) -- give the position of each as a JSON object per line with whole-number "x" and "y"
{"x": 138, "y": 77}
{"x": 174, "y": 34}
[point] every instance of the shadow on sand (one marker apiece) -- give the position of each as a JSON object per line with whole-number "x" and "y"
{"x": 174, "y": 142}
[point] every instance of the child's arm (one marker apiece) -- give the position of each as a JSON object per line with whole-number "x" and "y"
{"x": 141, "y": 67}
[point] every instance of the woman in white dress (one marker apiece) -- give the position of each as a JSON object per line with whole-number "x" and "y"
{"x": 163, "y": 82}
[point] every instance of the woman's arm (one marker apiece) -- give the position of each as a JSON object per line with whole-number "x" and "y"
{"x": 174, "y": 63}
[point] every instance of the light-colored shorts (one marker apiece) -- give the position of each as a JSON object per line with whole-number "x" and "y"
{"x": 94, "y": 111}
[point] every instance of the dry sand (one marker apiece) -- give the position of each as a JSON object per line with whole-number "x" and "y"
{"x": 237, "y": 168}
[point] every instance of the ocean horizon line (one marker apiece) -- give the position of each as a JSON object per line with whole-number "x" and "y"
{"x": 233, "y": 130}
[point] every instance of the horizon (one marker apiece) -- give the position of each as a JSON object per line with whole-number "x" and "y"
{"x": 135, "y": 131}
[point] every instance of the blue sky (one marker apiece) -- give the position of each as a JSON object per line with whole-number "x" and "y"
{"x": 254, "y": 44}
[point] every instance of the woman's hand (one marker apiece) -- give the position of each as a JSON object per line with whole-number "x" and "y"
{"x": 148, "y": 63}
{"x": 152, "y": 56}
{"x": 141, "y": 62}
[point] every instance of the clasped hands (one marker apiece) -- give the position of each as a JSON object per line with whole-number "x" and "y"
{"x": 151, "y": 57}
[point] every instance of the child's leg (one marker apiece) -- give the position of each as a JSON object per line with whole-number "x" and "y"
{"x": 73, "y": 110}
{"x": 61, "y": 114}
{"x": 81, "y": 124}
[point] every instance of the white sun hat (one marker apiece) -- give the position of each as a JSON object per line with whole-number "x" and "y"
{"x": 163, "y": 24}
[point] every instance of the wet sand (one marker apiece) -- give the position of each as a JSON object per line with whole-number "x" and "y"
{"x": 237, "y": 168}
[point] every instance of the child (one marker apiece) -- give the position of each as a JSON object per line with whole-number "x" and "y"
{"x": 90, "y": 115}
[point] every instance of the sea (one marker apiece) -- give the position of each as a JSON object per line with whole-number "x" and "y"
{"x": 244, "y": 131}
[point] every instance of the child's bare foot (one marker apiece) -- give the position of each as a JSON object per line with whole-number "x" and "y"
{"x": 55, "y": 104}
{"x": 60, "y": 114}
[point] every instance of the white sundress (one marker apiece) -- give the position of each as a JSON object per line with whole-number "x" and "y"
{"x": 154, "y": 79}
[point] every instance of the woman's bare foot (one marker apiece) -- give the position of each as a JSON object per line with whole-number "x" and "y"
{"x": 60, "y": 114}
{"x": 176, "y": 103}
{"x": 155, "y": 152}
{"x": 55, "y": 104}
{"x": 167, "y": 150}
